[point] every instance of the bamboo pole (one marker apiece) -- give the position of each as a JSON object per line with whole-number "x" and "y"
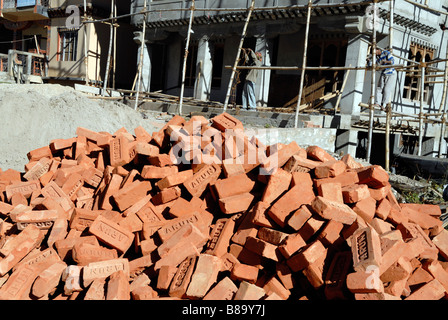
{"x": 187, "y": 45}
{"x": 443, "y": 107}
{"x": 304, "y": 62}
{"x": 240, "y": 46}
{"x": 140, "y": 63}
{"x": 373, "y": 84}
{"x": 317, "y": 68}
{"x": 86, "y": 47}
{"x": 109, "y": 52}
{"x": 422, "y": 98}
{"x": 336, "y": 108}
{"x": 389, "y": 105}
{"x": 114, "y": 68}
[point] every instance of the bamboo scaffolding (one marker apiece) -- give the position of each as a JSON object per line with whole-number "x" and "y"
{"x": 304, "y": 61}
{"x": 86, "y": 47}
{"x": 240, "y": 46}
{"x": 109, "y": 52}
{"x": 184, "y": 68}
{"x": 422, "y": 100}
{"x": 140, "y": 63}
{"x": 373, "y": 86}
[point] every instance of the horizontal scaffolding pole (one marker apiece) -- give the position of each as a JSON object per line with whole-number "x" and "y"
{"x": 313, "y": 68}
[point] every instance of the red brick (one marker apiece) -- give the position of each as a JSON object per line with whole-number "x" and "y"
{"x": 419, "y": 276}
{"x": 224, "y": 290}
{"x": 225, "y": 121}
{"x": 260, "y": 215}
{"x": 310, "y": 254}
{"x": 331, "y": 191}
{"x": 332, "y": 210}
{"x": 39, "y": 153}
{"x": 166, "y": 195}
{"x": 364, "y": 282}
{"x": 145, "y": 149}
{"x": 233, "y": 186}
{"x": 142, "y": 135}
{"x": 235, "y": 204}
{"x": 273, "y": 285}
{"x": 311, "y": 227}
{"x": 262, "y": 248}
{"x": 25, "y": 188}
{"x": 299, "y": 218}
{"x": 127, "y": 196}
{"x": 204, "y": 276}
{"x": 429, "y": 209}
{"x": 400, "y": 270}
{"x": 366, "y": 249}
{"x": 441, "y": 242}
{"x": 181, "y": 279}
{"x": 299, "y": 163}
{"x": 381, "y": 193}
{"x": 161, "y": 160}
{"x": 383, "y": 209}
{"x": 319, "y": 154}
{"x": 330, "y": 169}
{"x": 330, "y": 233}
{"x": 291, "y": 201}
{"x": 291, "y": 245}
{"x": 350, "y": 162}
{"x": 423, "y": 219}
{"x": 301, "y": 178}
{"x": 112, "y": 234}
{"x": 374, "y": 176}
{"x": 165, "y": 276}
{"x": 154, "y": 172}
{"x": 345, "y": 179}
{"x": 355, "y": 193}
{"x": 197, "y": 184}
{"x": 220, "y": 237}
{"x": 244, "y": 272}
{"x": 412, "y": 232}
{"x": 366, "y": 209}
{"x": 433, "y": 290}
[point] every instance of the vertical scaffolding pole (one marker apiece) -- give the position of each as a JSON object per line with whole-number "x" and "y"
{"x": 389, "y": 105}
{"x": 184, "y": 69}
{"x": 422, "y": 98}
{"x": 235, "y": 65}
{"x": 109, "y": 52}
{"x": 140, "y": 63}
{"x": 304, "y": 62}
{"x": 86, "y": 46}
{"x": 373, "y": 83}
{"x": 443, "y": 108}
{"x": 114, "y": 68}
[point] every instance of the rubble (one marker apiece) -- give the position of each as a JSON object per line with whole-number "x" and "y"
{"x": 199, "y": 210}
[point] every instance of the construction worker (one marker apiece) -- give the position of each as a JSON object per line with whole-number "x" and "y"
{"x": 387, "y": 81}
{"x": 251, "y": 59}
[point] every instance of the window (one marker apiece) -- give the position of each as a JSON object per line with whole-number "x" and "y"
{"x": 327, "y": 52}
{"x": 412, "y": 83}
{"x": 68, "y": 45}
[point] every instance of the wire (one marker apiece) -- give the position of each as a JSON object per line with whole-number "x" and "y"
{"x": 13, "y": 41}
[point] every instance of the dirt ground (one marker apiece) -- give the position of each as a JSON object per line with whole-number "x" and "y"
{"x": 32, "y": 115}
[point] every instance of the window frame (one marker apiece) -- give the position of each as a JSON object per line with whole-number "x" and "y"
{"x": 68, "y": 50}
{"x": 412, "y": 81}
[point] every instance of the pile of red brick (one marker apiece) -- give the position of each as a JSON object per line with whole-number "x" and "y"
{"x": 115, "y": 216}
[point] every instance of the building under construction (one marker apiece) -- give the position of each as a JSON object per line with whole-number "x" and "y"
{"x": 336, "y": 87}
